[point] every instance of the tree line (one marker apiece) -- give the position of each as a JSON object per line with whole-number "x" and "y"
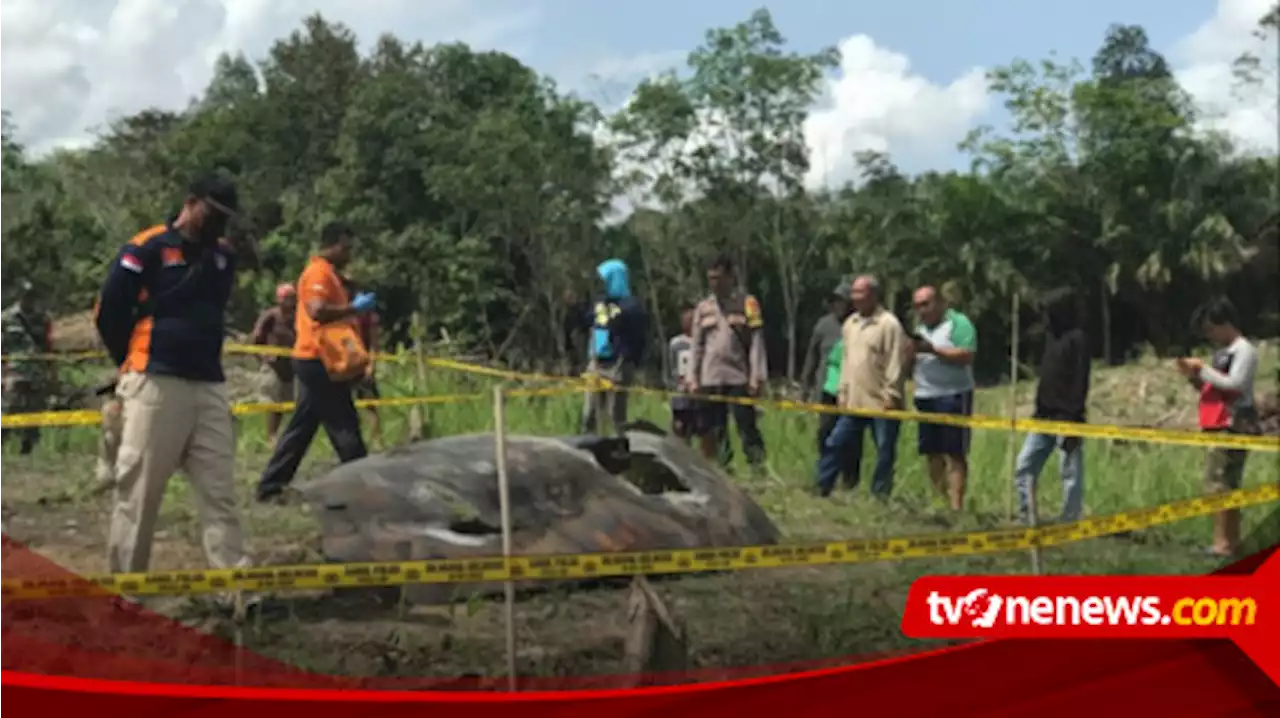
{"x": 484, "y": 194}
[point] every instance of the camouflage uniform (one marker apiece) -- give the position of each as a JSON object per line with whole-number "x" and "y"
{"x": 26, "y": 381}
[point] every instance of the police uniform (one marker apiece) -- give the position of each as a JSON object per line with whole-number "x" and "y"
{"x": 26, "y": 380}
{"x": 728, "y": 355}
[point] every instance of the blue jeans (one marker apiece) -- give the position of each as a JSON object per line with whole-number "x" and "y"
{"x": 846, "y": 436}
{"x": 1035, "y": 452}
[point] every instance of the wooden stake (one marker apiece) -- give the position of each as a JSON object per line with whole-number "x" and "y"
{"x": 504, "y": 504}
{"x": 417, "y": 422}
{"x": 655, "y": 642}
{"x": 1011, "y": 450}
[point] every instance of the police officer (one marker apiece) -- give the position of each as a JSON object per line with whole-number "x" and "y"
{"x": 27, "y": 380}
{"x": 729, "y": 360}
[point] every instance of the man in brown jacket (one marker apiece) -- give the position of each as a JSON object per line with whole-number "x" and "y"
{"x": 729, "y": 360}
{"x": 872, "y": 377}
{"x": 275, "y": 328}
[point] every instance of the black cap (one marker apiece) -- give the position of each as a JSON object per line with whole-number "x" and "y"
{"x": 843, "y": 290}
{"x": 212, "y": 186}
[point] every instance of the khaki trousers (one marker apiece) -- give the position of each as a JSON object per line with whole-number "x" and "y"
{"x": 169, "y": 424}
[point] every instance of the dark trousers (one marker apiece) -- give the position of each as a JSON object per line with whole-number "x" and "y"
{"x": 849, "y": 468}
{"x": 847, "y": 435}
{"x": 30, "y": 437}
{"x": 321, "y": 402}
{"x": 716, "y": 416}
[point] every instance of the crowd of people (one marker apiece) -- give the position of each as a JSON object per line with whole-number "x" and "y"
{"x": 161, "y": 316}
{"x": 860, "y": 357}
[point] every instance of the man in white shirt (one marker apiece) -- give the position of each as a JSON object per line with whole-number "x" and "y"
{"x": 945, "y": 344}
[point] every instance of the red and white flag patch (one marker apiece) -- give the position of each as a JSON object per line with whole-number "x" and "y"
{"x": 131, "y": 263}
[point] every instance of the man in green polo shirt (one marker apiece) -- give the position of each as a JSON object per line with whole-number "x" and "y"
{"x": 945, "y": 344}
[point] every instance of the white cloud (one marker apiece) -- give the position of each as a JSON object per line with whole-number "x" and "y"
{"x": 68, "y": 66}
{"x": 871, "y": 102}
{"x": 1203, "y": 62}
{"x": 876, "y": 103}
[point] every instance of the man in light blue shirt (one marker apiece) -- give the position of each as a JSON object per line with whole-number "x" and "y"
{"x": 945, "y": 344}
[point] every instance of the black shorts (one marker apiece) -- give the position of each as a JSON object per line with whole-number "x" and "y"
{"x": 945, "y": 438}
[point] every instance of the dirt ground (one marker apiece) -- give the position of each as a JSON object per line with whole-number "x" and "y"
{"x": 756, "y": 618}
{"x": 789, "y": 615}
{"x": 771, "y": 617}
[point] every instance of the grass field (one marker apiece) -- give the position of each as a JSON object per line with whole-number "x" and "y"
{"x": 774, "y": 616}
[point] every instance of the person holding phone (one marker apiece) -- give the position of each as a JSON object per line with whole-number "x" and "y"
{"x": 1225, "y": 385}
{"x": 161, "y": 315}
{"x": 944, "y": 346}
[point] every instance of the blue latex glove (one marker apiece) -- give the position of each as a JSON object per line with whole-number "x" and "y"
{"x": 364, "y": 301}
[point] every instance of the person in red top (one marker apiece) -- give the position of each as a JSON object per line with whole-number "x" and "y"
{"x": 1226, "y": 405}
{"x": 367, "y": 388}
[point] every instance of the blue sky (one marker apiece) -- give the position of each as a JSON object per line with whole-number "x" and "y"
{"x": 911, "y": 83}
{"x": 941, "y": 39}
{"x": 940, "y": 36}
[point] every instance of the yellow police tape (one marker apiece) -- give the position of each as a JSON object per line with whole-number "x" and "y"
{"x": 271, "y": 351}
{"x": 87, "y": 417}
{"x": 1059, "y": 428}
{"x": 595, "y": 382}
{"x": 602, "y": 565}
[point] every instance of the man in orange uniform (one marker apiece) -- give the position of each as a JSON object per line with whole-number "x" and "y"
{"x": 322, "y": 299}
{"x": 161, "y": 317}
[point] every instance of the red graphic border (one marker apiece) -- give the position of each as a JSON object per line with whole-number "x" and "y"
{"x": 45, "y": 641}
